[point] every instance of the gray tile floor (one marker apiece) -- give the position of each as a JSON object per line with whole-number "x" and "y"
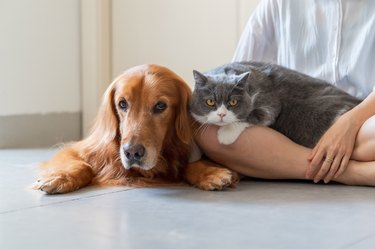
{"x": 258, "y": 214}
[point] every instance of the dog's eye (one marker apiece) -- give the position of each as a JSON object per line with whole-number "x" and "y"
{"x": 123, "y": 105}
{"x": 160, "y": 107}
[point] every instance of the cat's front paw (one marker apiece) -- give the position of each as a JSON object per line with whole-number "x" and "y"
{"x": 228, "y": 134}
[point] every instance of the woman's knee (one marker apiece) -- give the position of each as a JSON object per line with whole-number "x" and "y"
{"x": 364, "y": 149}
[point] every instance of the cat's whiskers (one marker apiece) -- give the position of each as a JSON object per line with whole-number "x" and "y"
{"x": 202, "y": 128}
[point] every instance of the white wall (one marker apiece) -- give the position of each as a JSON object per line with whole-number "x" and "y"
{"x": 182, "y": 35}
{"x": 39, "y": 56}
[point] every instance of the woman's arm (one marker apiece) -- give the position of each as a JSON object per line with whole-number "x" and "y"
{"x": 258, "y": 41}
{"x": 338, "y": 142}
{"x": 258, "y": 152}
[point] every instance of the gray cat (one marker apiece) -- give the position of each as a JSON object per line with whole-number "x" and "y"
{"x": 241, "y": 94}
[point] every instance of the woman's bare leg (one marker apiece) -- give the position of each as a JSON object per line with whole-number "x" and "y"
{"x": 265, "y": 153}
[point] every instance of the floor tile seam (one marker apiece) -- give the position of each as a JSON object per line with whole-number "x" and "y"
{"x": 354, "y": 243}
{"x": 64, "y": 201}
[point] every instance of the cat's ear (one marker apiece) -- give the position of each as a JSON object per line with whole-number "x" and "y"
{"x": 200, "y": 79}
{"x": 242, "y": 78}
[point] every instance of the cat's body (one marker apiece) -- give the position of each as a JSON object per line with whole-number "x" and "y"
{"x": 237, "y": 95}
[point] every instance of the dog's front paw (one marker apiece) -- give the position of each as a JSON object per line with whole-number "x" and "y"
{"x": 218, "y": 179}
{"x": 56, "y": 184}
{"x": 229, "y": 133}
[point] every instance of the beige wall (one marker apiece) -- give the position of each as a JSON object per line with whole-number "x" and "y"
{"x": 39, "y": 72}
{"x": 183, "y": 35}
{"x": 39, "y": 56}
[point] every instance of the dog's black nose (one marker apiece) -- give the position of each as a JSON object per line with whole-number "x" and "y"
{"x": 134, "y": 152}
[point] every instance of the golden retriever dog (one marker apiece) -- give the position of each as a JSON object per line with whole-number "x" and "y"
{"x": 142, "y": 137}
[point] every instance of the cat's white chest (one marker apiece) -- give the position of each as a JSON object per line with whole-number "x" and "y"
{"x": 229, "y": 133}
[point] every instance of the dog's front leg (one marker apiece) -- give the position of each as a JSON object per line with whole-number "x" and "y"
{"x": 64, "y": 173}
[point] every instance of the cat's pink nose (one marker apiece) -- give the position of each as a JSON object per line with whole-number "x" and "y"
{"x": 221, "y": 115}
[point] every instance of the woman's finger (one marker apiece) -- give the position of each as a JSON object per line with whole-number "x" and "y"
{"x": 325, "y": 168}
{"x": 315, "y": 164}
{"x": 334, "y": 168}
{"x": 343, "y": 166}
{"x": 313, "y": 152}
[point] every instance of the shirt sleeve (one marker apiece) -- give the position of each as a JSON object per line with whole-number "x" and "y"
{"x": 258, "y": 40}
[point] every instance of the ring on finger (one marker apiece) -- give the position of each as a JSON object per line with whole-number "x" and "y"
{"x": 329, "y": 160}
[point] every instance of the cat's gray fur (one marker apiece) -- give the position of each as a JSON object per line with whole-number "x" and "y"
{"x": 297, "y": 105}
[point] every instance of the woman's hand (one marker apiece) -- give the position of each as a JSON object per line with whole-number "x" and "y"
{"x": 333, "y": 150}
{"x": 335, "y": 147}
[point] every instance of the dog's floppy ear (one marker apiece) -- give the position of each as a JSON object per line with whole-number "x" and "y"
{"x": 105, "y": 127}
{"x": 182, "y": 124}
{"x": 101, "y": 147}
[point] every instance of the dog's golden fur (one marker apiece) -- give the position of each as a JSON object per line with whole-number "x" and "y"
{"x": 166, "y": 136}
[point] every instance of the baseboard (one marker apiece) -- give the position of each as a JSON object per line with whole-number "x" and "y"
{"x": 39, "y": 130}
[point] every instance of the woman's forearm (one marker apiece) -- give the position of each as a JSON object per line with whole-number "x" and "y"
{"x": 258, "y": 152}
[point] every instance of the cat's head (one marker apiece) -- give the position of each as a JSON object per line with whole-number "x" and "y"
{"x": 220, "y": 99}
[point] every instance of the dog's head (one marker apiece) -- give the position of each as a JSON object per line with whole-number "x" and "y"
{"x": 145, "y": 111}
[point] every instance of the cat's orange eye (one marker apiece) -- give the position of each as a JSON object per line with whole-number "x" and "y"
{"x": 233, "y": 102}
{"x": 210, "y": 102}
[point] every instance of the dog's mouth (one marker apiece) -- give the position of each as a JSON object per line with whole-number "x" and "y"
{"x": 133, "y": 164}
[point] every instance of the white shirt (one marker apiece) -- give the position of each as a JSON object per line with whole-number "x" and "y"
{"x": 333, "y": 40}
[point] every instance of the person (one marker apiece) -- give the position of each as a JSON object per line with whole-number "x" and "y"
{"x": 331, "y": 40}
